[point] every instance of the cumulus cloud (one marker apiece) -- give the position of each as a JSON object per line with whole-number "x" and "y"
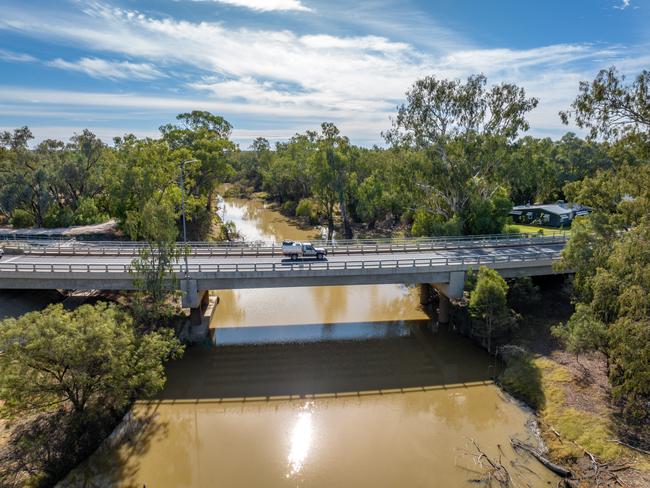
{"x": 116, "y": 70}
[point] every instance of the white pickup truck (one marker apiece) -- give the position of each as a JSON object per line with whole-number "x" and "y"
{"x": 297, "y": 250}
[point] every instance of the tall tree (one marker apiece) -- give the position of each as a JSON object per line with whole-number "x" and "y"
{"x": 465, "y": 130}
{"x": 333, "y": 167}
{"x": 609, "y": 108}
{"x": 610, "y": 250}
{"x": 205, "y": 137}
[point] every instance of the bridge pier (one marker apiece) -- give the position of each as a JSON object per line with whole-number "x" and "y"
{"x": 196, "y": 313}
{"x": 425, "y": 294}
{"x": 197, "y": 301}
{"x": 443, "y": 309}
{"x": 446, "y": 291}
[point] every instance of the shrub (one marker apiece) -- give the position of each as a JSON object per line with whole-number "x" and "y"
{"x": 523, "y": 294}
{"x": 289, "y": 208}
{"x": 87, "y": 213}
{"x": 427, "y": 224}
{"x": 22, "y": 219}
{"x": 307, "y": 210}
{"x": 58, "y": 217}
{"x": 488, "y": 307}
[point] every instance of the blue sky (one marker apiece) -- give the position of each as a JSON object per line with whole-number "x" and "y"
{"x": 276, "y": 67}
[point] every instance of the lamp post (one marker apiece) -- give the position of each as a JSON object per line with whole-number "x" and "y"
{"x": 187, "y": 269}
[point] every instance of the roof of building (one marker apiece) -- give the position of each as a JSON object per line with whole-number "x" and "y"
{"x": 553, "y": 208}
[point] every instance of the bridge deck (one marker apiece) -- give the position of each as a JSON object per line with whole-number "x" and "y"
{"x": 219, "y": 272}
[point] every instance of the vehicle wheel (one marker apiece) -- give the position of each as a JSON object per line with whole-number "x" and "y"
{"x": 294, "y": 257}
{"x": 319, "y": 256}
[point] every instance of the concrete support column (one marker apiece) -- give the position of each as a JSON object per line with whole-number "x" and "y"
{"x": 443, "y": 309}
{"x": 425, "y": 294}
{"x": 196, "y": 313}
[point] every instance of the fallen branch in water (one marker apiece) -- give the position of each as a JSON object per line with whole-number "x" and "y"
{"x": 557, "y": 469}
{"x": 491, "y": 470}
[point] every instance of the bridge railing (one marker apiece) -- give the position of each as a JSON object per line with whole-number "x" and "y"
{"x": 288, "y": 266}
{"x": 357, "y": 246}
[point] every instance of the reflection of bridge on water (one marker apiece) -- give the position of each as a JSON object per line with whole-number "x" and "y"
{"x": 352, "y": 359}
{"x": 438, "y": 262}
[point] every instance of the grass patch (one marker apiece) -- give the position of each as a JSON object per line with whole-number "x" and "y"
{"x": 532, "y": 229}
{"x": 542, "y": 383}
{"x": 578, "y": 428}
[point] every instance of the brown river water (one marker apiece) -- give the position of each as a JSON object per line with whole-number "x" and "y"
{"x": 317, "y": 387}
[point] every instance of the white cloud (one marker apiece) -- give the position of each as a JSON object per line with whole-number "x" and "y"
{"x": 295, "y": 80}
{"x": 116, "y": 70}
{"x": 6, "y": 55}
{"x": 265, "y": 5}
{"x": 623, "y": 6}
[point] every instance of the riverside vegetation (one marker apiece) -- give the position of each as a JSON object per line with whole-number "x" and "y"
{"x": 456, "y": 161}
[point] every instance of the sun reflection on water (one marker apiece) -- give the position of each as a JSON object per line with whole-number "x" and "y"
{"x": 301, "y": 437}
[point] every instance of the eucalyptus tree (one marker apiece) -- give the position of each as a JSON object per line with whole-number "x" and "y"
{"x": 610, "y": 250}
{"x": 23, "y": 177}
{"x": 609, "y": 108}
{"x": 465, "y": 130}
{"x": 205, "y": 138}
{"x": 333, "y": 167}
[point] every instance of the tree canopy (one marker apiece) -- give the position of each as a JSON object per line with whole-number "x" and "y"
{"x": 90, "y": 358}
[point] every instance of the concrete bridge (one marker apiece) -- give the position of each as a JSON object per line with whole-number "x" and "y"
{"x": 440, "y": 263}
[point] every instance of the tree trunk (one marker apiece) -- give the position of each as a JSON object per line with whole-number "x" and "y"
{"x": 347, "y": 228}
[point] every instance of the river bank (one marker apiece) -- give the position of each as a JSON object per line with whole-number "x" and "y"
{"x": 572, "y": 399}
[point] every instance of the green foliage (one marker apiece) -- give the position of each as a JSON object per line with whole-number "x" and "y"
{"x": 465, "y": 130}
{"x": 58, "y": 217}
{"x": 630, "y": 365}
{"x": 488, "y": 215}
{"x": 90, "y": 358}
{"x": 88, "y": 213}
{"x": 610, "y": 250}
{"x": 488, "y": 306}
{"x": 50, "y": 181}
{"x": 522, "y": 378}
{"x": 583, "y": 332}
{"x": 153, "y": 269}
{"x": 427, "y": 224}
{"x": 609, "y": 108}
{"x": 289, "y": 208}
{"x": 22, "y": 219}
{"x": 307, "y": 209}
{"x": 523, "y": 294}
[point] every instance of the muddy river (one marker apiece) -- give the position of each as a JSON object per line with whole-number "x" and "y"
{"x": 318, "y": 387}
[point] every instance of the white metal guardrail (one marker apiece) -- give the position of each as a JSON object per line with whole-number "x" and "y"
{"x": 287, "y": 266}
{"x": 356, "y": 246}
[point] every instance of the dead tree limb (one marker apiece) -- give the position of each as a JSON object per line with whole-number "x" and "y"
{"x": 557, "y": 469}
